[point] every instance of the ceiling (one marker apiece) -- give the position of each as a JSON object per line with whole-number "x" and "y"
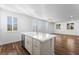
{"x": 51, "y": 12}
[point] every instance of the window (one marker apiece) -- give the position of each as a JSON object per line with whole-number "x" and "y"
{"x": 11, "y": 23}
{"x": 14, "y": 23}
{"x": 70, "y": 26}
{"x": 58, "y": 26}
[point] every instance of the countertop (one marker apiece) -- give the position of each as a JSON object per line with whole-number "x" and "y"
{"x": 39, "y": 36}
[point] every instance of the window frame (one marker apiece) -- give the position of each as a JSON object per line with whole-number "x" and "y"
{"x": 12, "y": 24}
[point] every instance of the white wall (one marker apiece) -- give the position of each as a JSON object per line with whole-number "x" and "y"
{"x": 50, "y": 28}
{"x": 64, "y": 30}
{"x": 43, "y": 26}
{"x": 24, "y": 25}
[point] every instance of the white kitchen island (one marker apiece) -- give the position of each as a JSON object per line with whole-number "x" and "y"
{"x": 39, "y": 43}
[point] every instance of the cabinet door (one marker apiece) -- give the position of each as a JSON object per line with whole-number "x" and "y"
{"x": 36, "y": 47}
{"x": 28, "y": 44}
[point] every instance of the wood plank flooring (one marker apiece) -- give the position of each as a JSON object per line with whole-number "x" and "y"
{"x": 66, "y": 45}
{"x": 13, "y": 49}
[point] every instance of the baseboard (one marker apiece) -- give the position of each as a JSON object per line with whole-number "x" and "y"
{"x": 4, "y": 43}
{"x": 65, "y": 34}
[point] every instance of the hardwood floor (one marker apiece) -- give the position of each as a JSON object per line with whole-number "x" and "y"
{"x": 13, "y": 49}
{"x": 66, "y": 45}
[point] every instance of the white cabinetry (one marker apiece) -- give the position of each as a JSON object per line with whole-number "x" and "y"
{"x": 39, "y": 44}
{"x": 37, "y": 47}
{"x": 28, "y": 44}
{"x": 42, "y": 48}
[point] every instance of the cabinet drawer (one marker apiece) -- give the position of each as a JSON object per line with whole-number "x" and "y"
{"x": 36, "y": 42}
{"x": 36, "y": 50}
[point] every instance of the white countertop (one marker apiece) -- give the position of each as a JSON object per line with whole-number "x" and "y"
{"x": 39, "y": 36}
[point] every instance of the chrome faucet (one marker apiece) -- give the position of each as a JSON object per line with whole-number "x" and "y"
{"x": 35, "y": 29}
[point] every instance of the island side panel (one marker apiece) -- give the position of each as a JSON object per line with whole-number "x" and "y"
{"x": 46, "y": 47}
{"x": 52, "y": 46}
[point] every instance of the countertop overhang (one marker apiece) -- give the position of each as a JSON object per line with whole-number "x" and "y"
{"x": 39, "y": 35}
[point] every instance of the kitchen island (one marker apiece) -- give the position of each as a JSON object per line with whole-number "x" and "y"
{"x": 38, "y": 43}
